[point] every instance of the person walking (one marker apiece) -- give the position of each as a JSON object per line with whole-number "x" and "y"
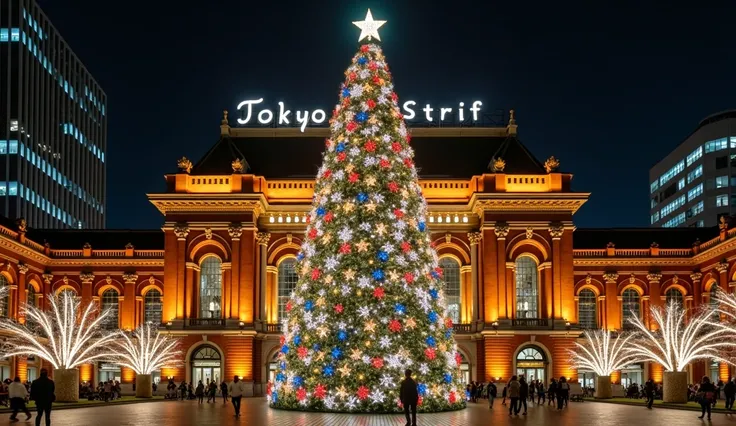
{"x": 211, "y": 392}
{"x": 43, "y": 393}
{"x": 729, "y": 390}
{"x": 223, "y": 389}
{"x": 563, "y": 390}
{"x": 236, "y": 391}
{"x": 409, "y": 397}
{"x": 17, "y": 393}
{"x": 540, "y": 392}
{"x": 505, "y": 392}
{"x": 706, "y": 395}
{"x": 649, "y": 391}
{"x": 523, "y": 394}
{"x": 200, "y": 393}
{"x": 532, "y": 389}
{"x": 513, "y": 393}
{"x": 492, "y": 392}
{"x": 552, "y": 392}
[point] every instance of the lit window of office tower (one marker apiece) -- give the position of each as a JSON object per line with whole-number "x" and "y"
{"x": 53, "y": 126}
{"x": 694, "y": 184}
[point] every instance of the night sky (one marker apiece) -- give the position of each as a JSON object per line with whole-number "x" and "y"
{"x": 608, "y": 91}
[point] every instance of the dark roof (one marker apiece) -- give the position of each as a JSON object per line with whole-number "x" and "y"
{"x": 100, "y": 239}
{"x": 594, "y": 238}
{"x": 300, "y": 157}
{"x": 714, "y": 118}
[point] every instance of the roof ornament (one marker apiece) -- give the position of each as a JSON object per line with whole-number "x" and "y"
{"x": 224, "y": 118}
{"x": 498, "y": 164}
{"x": 723, "y": 223}
{"x": 512, "y": 119}
{"x": 184, "y": 164}
{"x": 552, "y": 164}
{"x": 237, "y": 165}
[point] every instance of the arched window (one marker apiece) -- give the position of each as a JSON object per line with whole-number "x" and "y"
{"x": 673, "y": 295}
{"x": 69, "y": 291}
{"x": 631, "y": 307}
{"x": 451, "y": 276}
{"x": 110, "y": 302}
{"x": 210, "y": 290}
{"x": 526, "y": 288}
{"x": 713, "y": 302}
{"x": 587, "y": 309}
{"x": 31, "y": 295}
{"x": 152, "y": 307}
{"x": 287, "y": 283}
{"x": 4, "y": 300}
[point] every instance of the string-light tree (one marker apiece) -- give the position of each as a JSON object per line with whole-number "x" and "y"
{"x": 603, "y": 354}
{"x": 677, "y": 342}
{"x": 67, "y": 336}
{"x": 145, "y": 351}
{"x": 369, "y": 301}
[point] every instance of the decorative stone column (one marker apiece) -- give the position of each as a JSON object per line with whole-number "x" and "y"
{"x": 655, "y": 298}
{"x": 475, "y": 314}
{"x": 697, "y": 277}
{"x": 182, "y": 231}
{"x": 86, "y": 278}
{"x": 22, "y": 293}
{"x": 128, "y": 311}
{"x": 611, "y": 278}
{"x": 556, "y": 231}
{"x": 722, "y": 268}
{"x": 501, "y": 229}
{"x": 46, "y": 290}
{"x": 262, "y": 238}
{"x": 231, "y": 305}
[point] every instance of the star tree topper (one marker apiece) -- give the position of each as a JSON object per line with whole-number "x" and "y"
{"x": 369, "y": 27}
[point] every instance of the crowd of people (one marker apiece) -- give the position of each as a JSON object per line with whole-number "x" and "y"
{"x": 518, "y": 391}
{"x": 104, "y": 391}
{"x": 186, "y": 391}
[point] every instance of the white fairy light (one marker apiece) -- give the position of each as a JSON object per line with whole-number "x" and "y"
{"x": 602, "y": 353}
{"x": 147, "y": 350}
{"x": 677, "y": 343}
{"x": 64, "y": 335}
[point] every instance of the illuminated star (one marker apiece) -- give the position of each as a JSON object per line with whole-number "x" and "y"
{"x": 320, "y": 302}
{"x": 287, "y": 388}
{"x": 410, "y": 323}
{"x": 349, "y": 274}
{"x": 349, "y": 168}
{"x": 370, "y": 326}
{"x": 370, "y": 180}
{"x": 348, "y": 207}
{"x": 362, "y": 246}
{"x": 380, "y": 229}
{"x": 373, "y": 120}
{"x": 341, "y": 392}
{"x": 393, "y": 275}
{"x": 367, "y": 88}
{"x": 326, "y": 238}
{"x": 328, "y": 279}
{"x": 322, "y": 331}
{"x": 371, "y": 207}
{"x": 319, "y": 356}
{"x": 344, "y": 371}
{"x": 369, "y": 27}
{"x": 356, "y": 354}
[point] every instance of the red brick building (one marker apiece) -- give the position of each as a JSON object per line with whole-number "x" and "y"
{"x": 522, "y": 281}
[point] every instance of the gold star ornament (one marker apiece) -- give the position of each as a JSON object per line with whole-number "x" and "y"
{"x": 369, "y": 27}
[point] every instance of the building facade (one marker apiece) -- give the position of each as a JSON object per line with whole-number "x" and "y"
{"x": 521, "y": 280}
{"x": 53, "y": 125}
{"x": 692, "y": 186}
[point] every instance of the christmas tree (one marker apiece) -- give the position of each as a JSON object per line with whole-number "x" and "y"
{"x": 369, "y": 302}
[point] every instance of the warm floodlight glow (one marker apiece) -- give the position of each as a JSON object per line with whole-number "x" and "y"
{"x": 64, "y": 335}
{"x": 602, "y": 353}
{"x": 147, "y": 350}
{"x": 678, "y": 342}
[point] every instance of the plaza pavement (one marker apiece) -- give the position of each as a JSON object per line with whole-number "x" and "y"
{"x": 255, "y": 412}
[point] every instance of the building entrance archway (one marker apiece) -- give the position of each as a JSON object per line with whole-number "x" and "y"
{"x": 531, "y": 362}
{"x": 206, "y": 364}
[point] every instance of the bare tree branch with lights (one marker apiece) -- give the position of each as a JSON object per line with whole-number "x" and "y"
{"x": 147, "y": 350}
{"x": 66, "y": 336}
{"x": 603, "y": 353}
{"x": 678, "y": 342}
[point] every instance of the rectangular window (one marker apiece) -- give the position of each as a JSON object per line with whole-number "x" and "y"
{"x": 3, "y": 188}
{"x": 716, "y": 145}
{"x": 655, "y": 217}
{"x": 721, "y": 181}
{"x": 722, "y": 200}
{"x": 671, "y": 173}
{"x": 695, "y": 210}
{"x": 694, "y": 156}
{"x": 681, "y": 184}
{"x": 653, "y": 203}
{"x": 12, "y": 35}
{"x": 675, "y": 221}
{"x": 695, "y": 192}
{"x": 700, "y": 223}
{"x": 672, "y": 206}
{"x": 695, "y": 173}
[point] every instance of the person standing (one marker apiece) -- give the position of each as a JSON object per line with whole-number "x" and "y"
{"x": 552, "y": 392}
{"x": 523, "y": 394}
{"x": 563, "y": 390}
{"x": 729, "y": 390}
{"x": 649, "y": 390}
{"x": 236, "y": 391}
{"x": 200, "y": 393}
{"x": 492, "y": 392}
{"x": 17, "y": 393}
{"x": 706, "y": 395}
{"x": 540, "y": 392}
{"x": 513, "y": 394}
{"x": 409, "y": 397}
{"x": 43, "y": 393}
